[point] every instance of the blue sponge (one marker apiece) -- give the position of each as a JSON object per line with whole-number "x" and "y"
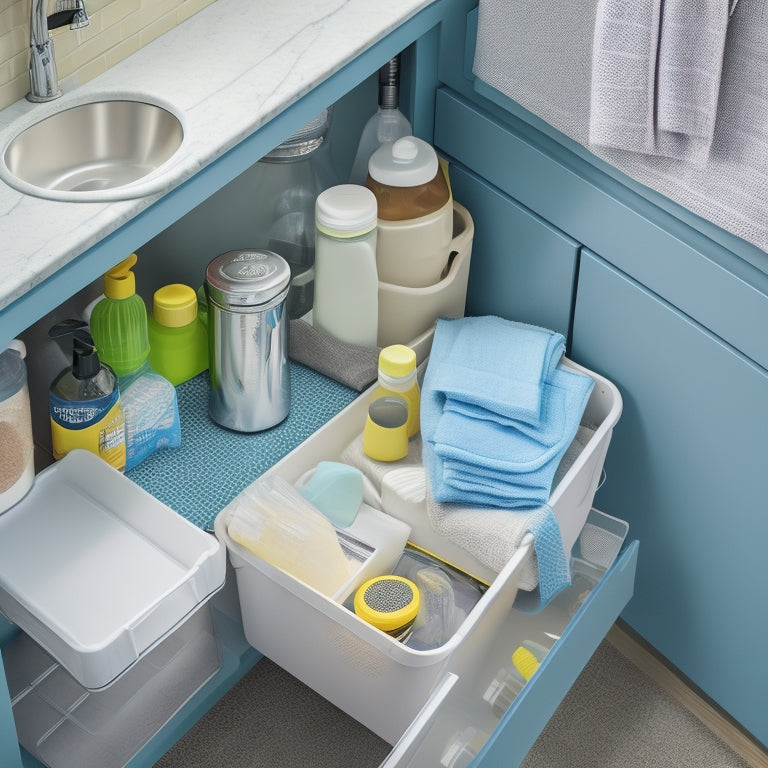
{"x": 336, "y": 489}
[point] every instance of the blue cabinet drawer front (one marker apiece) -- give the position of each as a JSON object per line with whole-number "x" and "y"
{"x": 532, "y": 709}
{"x": 707, "y": 282}
{"x": 687, "y": 465}
{"x": 458, "y": 706}
{"x": 522, "y": 267}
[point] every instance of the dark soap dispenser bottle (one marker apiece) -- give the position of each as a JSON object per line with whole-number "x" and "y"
{"x": 84, "y": 402}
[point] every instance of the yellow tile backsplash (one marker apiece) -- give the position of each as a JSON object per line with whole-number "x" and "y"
{"x": 118, "y": 28}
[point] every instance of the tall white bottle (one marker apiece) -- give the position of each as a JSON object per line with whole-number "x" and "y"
{"x": 346, "y": 301}
{"x": 386, "y": 125}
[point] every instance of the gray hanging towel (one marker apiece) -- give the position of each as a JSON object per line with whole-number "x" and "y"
{"x": 656, "y": 76}
{"x": 691, "y": 49}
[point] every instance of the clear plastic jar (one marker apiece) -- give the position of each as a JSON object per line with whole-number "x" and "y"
{"x": 17, "y": 470}
{"x": 288, "y": 180}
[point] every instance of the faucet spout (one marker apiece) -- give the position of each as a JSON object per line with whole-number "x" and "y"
{"x": 43, "y": 76}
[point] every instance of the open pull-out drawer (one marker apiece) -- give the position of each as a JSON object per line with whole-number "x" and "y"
{"x": 415, "y": 698}
{"x": 458, "y": 727}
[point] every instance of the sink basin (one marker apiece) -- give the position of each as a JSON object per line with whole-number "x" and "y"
{"x": 93, "y": 151}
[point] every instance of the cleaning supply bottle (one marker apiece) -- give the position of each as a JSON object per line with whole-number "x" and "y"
{"x": 397, "y": 376}
{"x": 120, "y": 328}
{"x": 178, "y": 340}
{"x": 84, "y": 401}
{"x": 119, "y": 321}
{"x": 346, "y": 300}
{"x": 386, "y": 125}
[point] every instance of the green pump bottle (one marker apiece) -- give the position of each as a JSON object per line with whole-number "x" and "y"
{"x": 119, "y": 321}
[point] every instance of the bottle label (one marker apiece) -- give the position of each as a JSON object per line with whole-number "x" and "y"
{"x": 97, "y": 426}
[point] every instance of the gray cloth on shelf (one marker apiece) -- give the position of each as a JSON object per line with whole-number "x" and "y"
{"x": 353, "y": 365}
{"x": 540, "y": 55}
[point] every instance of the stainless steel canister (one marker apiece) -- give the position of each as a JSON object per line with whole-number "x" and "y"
{"x": 248, "y": 339}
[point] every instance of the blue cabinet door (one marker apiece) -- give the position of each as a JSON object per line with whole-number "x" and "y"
{"x": 523, "y": 268}
{"x": 688, "y": 468}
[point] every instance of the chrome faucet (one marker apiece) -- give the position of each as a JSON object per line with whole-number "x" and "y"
{"x": 43, "y": 77}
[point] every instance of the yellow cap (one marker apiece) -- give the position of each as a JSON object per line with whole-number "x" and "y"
{"x": 397, "y": 360}
{"x": 525, "y": 662}
{"x": 174, "y": 305}
{"x": 388, "y": 602}
{"x": 120, "y": 282}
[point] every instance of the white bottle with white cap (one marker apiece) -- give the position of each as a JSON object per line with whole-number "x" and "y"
{"x": 415, "y": 213}
{"x": 346, "y": 301}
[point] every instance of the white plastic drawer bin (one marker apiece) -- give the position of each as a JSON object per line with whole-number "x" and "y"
{"x": 380, "y": 682}
{"x": 374, "y": 678}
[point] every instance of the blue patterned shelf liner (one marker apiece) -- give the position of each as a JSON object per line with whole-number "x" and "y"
{"x": 214, "y": 464}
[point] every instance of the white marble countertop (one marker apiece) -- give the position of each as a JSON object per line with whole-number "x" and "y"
{"x": 225, "y": 72}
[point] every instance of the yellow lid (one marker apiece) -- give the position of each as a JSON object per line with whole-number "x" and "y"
{"x": 525, "y": 662}
{"x": 174, "y": 305}
{"x": 397, "y": 361}
{"x": 387, "y": 602}
{"x": 120, "y": 282}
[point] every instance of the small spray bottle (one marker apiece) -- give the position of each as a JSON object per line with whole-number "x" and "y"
{"x": 386, "y": 125}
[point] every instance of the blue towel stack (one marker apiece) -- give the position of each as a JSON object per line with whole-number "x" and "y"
{"x": 498, "y": 412}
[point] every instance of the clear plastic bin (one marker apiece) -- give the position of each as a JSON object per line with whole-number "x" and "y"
{"x": 66, "y": 726}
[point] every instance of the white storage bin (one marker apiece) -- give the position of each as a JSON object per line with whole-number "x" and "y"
{"x": 377, "y": 680}
{"x": 65, "y": 726}
{"x": 98, "y": 571}
{"x": 371, "y": 676}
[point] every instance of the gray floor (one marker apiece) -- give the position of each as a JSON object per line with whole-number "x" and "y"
{"x": 613, "y": 717}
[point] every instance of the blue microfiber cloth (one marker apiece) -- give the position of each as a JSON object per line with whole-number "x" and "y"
{"x": 498, "y": 414}
{"x": 496, "y": 461}
{"x": 495, "y": 364}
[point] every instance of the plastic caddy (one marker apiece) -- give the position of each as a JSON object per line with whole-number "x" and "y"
{"x": 375, "y": 679}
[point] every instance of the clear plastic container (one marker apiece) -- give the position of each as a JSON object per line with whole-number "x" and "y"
{"x": 288, "y": 180}
{"x": 384, "y": 126}
{"x": 17, "y": 468}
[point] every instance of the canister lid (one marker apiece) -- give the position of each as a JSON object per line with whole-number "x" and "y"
{"x": 247, "y": 278}
{"x": 407, "y": 162}
{"x": 13, "y": 372}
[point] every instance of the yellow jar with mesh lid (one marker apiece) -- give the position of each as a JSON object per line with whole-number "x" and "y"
{"x": 178, "y": 340}
{"x": 389, "y": 603}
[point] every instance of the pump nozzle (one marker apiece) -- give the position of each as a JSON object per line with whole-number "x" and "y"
{"x": 85, "y": 358}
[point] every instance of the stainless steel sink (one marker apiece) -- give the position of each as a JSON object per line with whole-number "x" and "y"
{"x": 92, "y": 151}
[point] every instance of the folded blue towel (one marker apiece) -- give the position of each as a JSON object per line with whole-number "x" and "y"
{"x": 495, "y": 364}
{"x": 511, "y": 464}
